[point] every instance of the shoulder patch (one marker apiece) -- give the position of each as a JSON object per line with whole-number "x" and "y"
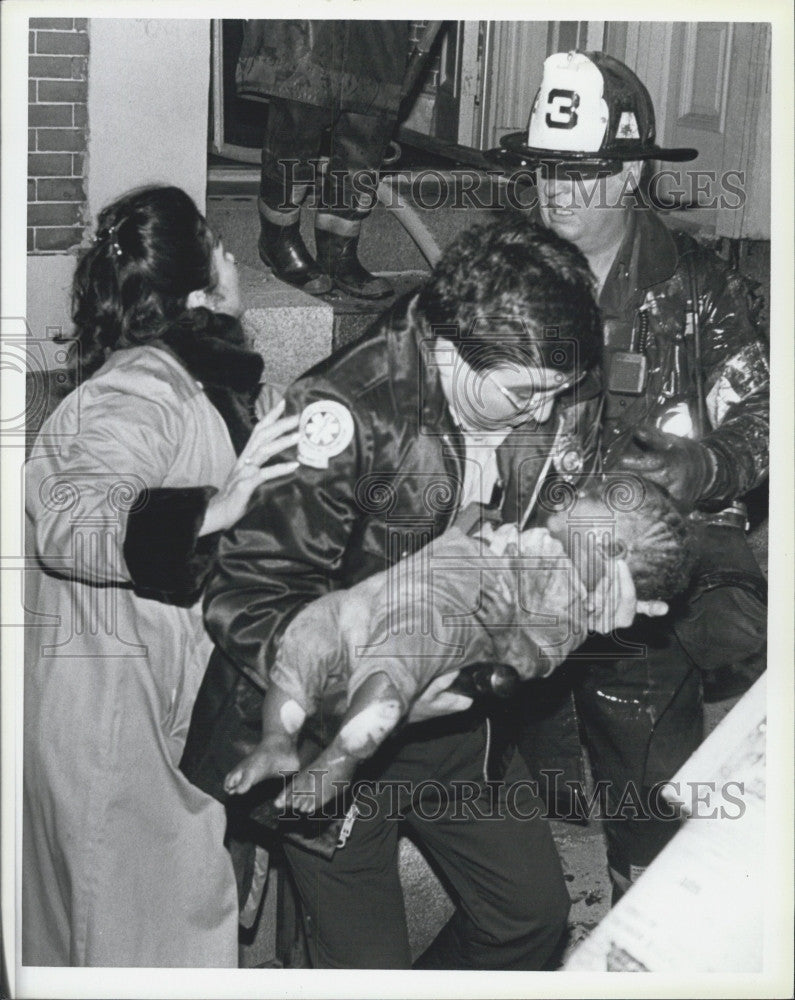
{"x": 325, "y": 430}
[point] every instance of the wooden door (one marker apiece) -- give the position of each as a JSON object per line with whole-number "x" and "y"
{"x": 710, "y": 83}
{"x": 719, "y": 102}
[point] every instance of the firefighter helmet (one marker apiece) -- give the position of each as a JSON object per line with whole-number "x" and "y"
{"x": 590, "y": 115}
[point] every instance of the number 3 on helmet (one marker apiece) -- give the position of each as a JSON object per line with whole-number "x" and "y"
{"x": 590, "y": 116}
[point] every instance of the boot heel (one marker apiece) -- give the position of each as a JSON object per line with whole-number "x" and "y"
{"x": 338, "y": 257}
{"x": 282, "y": 249}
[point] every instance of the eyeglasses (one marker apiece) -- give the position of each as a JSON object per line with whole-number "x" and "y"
{"x": 522, "y": 401}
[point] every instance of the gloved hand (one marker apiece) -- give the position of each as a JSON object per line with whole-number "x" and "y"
{"x": 685, "y": 468}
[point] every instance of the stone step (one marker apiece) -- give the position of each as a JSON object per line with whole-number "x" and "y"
{"x": 445, "y": 203}
{"x": 290, "y": 329}
{"x": 353, "y": 316}
{"x": 293, "y": 330}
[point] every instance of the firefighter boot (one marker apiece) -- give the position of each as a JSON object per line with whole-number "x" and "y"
{"x": 282, "y": 249}
{"x": 337, "y": 242}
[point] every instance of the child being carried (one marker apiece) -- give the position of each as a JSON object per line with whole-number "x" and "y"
{"x": 398, "y": 638}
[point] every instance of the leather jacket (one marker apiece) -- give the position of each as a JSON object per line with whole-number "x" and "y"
{"x": 651, "y": 274}
{"x": 388, "y": 493}
{"x": 650, "y": 285}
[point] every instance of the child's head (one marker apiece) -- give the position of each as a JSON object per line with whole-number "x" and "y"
{"x": 632, "y": 519}
{"x": 152, "y": 248}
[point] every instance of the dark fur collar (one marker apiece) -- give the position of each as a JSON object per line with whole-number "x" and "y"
{"x": 213, "y": 349}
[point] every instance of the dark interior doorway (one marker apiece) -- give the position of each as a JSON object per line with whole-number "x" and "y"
{"x": 236, "y": 124}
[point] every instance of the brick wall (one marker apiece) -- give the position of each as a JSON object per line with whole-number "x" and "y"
{"x": 57, "y": 96}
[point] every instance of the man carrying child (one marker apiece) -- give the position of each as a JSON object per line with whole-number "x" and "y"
{"x": 446, "y": 402}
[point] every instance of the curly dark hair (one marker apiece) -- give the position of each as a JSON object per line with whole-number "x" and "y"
{"x": 511, "y": 292}
{"x": 650, "y": 533}
{"x": 152, "y": 248}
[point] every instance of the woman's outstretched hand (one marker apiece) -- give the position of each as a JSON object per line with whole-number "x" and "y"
{"x": 272, "y": 434}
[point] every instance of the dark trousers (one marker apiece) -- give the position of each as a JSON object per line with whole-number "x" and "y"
{"x": 642, "y": 720}
{"x": 292, "y": 144}
{"x": 503, "y": 872}
{"x": 640, "y": 716}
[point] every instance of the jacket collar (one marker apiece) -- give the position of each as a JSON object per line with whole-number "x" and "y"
{"x": 212, "y": 348}
{"x": 652, "y": 244}
{"x": 415, "y": 383}
{"x": 649, "y": 250}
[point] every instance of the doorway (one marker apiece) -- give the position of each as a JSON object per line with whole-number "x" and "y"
{"x": 431, "y": 112}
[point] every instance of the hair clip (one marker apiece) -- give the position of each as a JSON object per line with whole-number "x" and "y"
{"x": 110, "y": 234}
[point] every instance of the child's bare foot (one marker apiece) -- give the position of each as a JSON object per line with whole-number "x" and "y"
{"x": 276, "y": 753}
{"x": 358, "y": 738}
{"x": 320, "y": 781}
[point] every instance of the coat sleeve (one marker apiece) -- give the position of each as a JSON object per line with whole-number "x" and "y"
{"x": 95, "y": 498}
{"x": 736, "y": 381}
{"x": 165, "y": 556}
{"x": 287, "y": 549}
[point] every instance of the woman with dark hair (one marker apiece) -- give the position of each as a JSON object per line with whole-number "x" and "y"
{"x": 130, "y": 481}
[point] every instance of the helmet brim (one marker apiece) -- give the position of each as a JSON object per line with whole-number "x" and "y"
{"x": 585, "y": 164}
{"x": 516, "y": 162}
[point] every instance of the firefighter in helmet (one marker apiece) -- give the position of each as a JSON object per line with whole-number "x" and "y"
{"x": 685, "y": 403}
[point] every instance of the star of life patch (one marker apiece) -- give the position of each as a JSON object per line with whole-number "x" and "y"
{"x": 627, "y": 126}
{"x": 325, "y": 430}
